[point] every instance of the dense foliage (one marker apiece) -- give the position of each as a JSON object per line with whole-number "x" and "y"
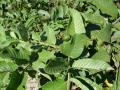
{"x": 64, "y": 44}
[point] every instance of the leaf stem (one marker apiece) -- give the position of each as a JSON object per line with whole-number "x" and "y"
{"x": 46, "y": 44}
{"x": 68, "y": 82}
{"x": 68, "y": 77}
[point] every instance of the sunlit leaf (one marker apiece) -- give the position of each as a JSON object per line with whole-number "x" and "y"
{"x": 55, "y": 85}
{"x": 91, "y": 64}
{"x": 104, "y": 6}
{"x": 76, "y": 25}
{"x": 75, "y": 47}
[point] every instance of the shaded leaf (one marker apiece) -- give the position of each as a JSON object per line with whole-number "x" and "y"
{"x": 23, "y": 31}
{"x": 56, "y": 66}
{"x": 15, "y": 80}
{"x": 90, "y": 84}
{"x": 22, "y": 86}
{"x": 79, "y": 84}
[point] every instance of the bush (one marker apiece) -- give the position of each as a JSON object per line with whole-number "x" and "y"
{"x": 64, "y": 44}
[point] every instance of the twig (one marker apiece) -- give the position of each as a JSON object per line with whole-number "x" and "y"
{"x": 68, "y": 77}
{"x": 116, "y": 21}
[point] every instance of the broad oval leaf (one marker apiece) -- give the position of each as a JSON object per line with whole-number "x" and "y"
{"x": 101, "y": 54}
{"x": 75, "y": 47}
{"x": 55, "y": 85}
{"x": 103, "y": 35}
{"x": 94, "y": 18}
{"x": 107, "y": 7}
{"x": 76, "y": 25}
{"x": 91, "y": 64}
{"x": 56, "y": 66}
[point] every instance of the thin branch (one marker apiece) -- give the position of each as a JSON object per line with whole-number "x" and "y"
{"x": 116, "y": 21}
{"x": 48, "y": 45}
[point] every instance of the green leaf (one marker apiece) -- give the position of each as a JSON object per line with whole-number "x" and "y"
{"x": 101, "y": 54}
{"x": 37, "y": 65}
{"x": 116, "y": 36}
{"x": 46, "y": 75}
{"x": 107, "y": 7}
{"x": 20, "y": 54}
{"x": 117, "y": 56}
{"x": 75, "y": 47}
{"x": 103, "y": 35}
{"x": 60, "y": 11}
{"x": 55, "y": 85}
{"x": 117, "y": 26}
{"x": 44, "y": 56}
{"x": 56, "y": 66}
{"x": 23, "y": 31}
{"x": 15, "y": 80}
{"x": 7, "y": 43}
{"x": 90, "y": 84}
{"x": 116, "y": 85}
{"x": 6, "y": 65}
{"x": 36, "y": 36}
{"x": 2, "y": 34}
{"x": 30, "y": 21}
{"x": 76, "y": 25}
{"x": 118, "y": 80}
{"x": 22, "y": 86}
{"x": 51, "y": 39}
{"x": 78, "y": 83}
{"x": 91, "y": 64}
{"x": 94, "y": 18}
{"x": 4, "y": 80}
